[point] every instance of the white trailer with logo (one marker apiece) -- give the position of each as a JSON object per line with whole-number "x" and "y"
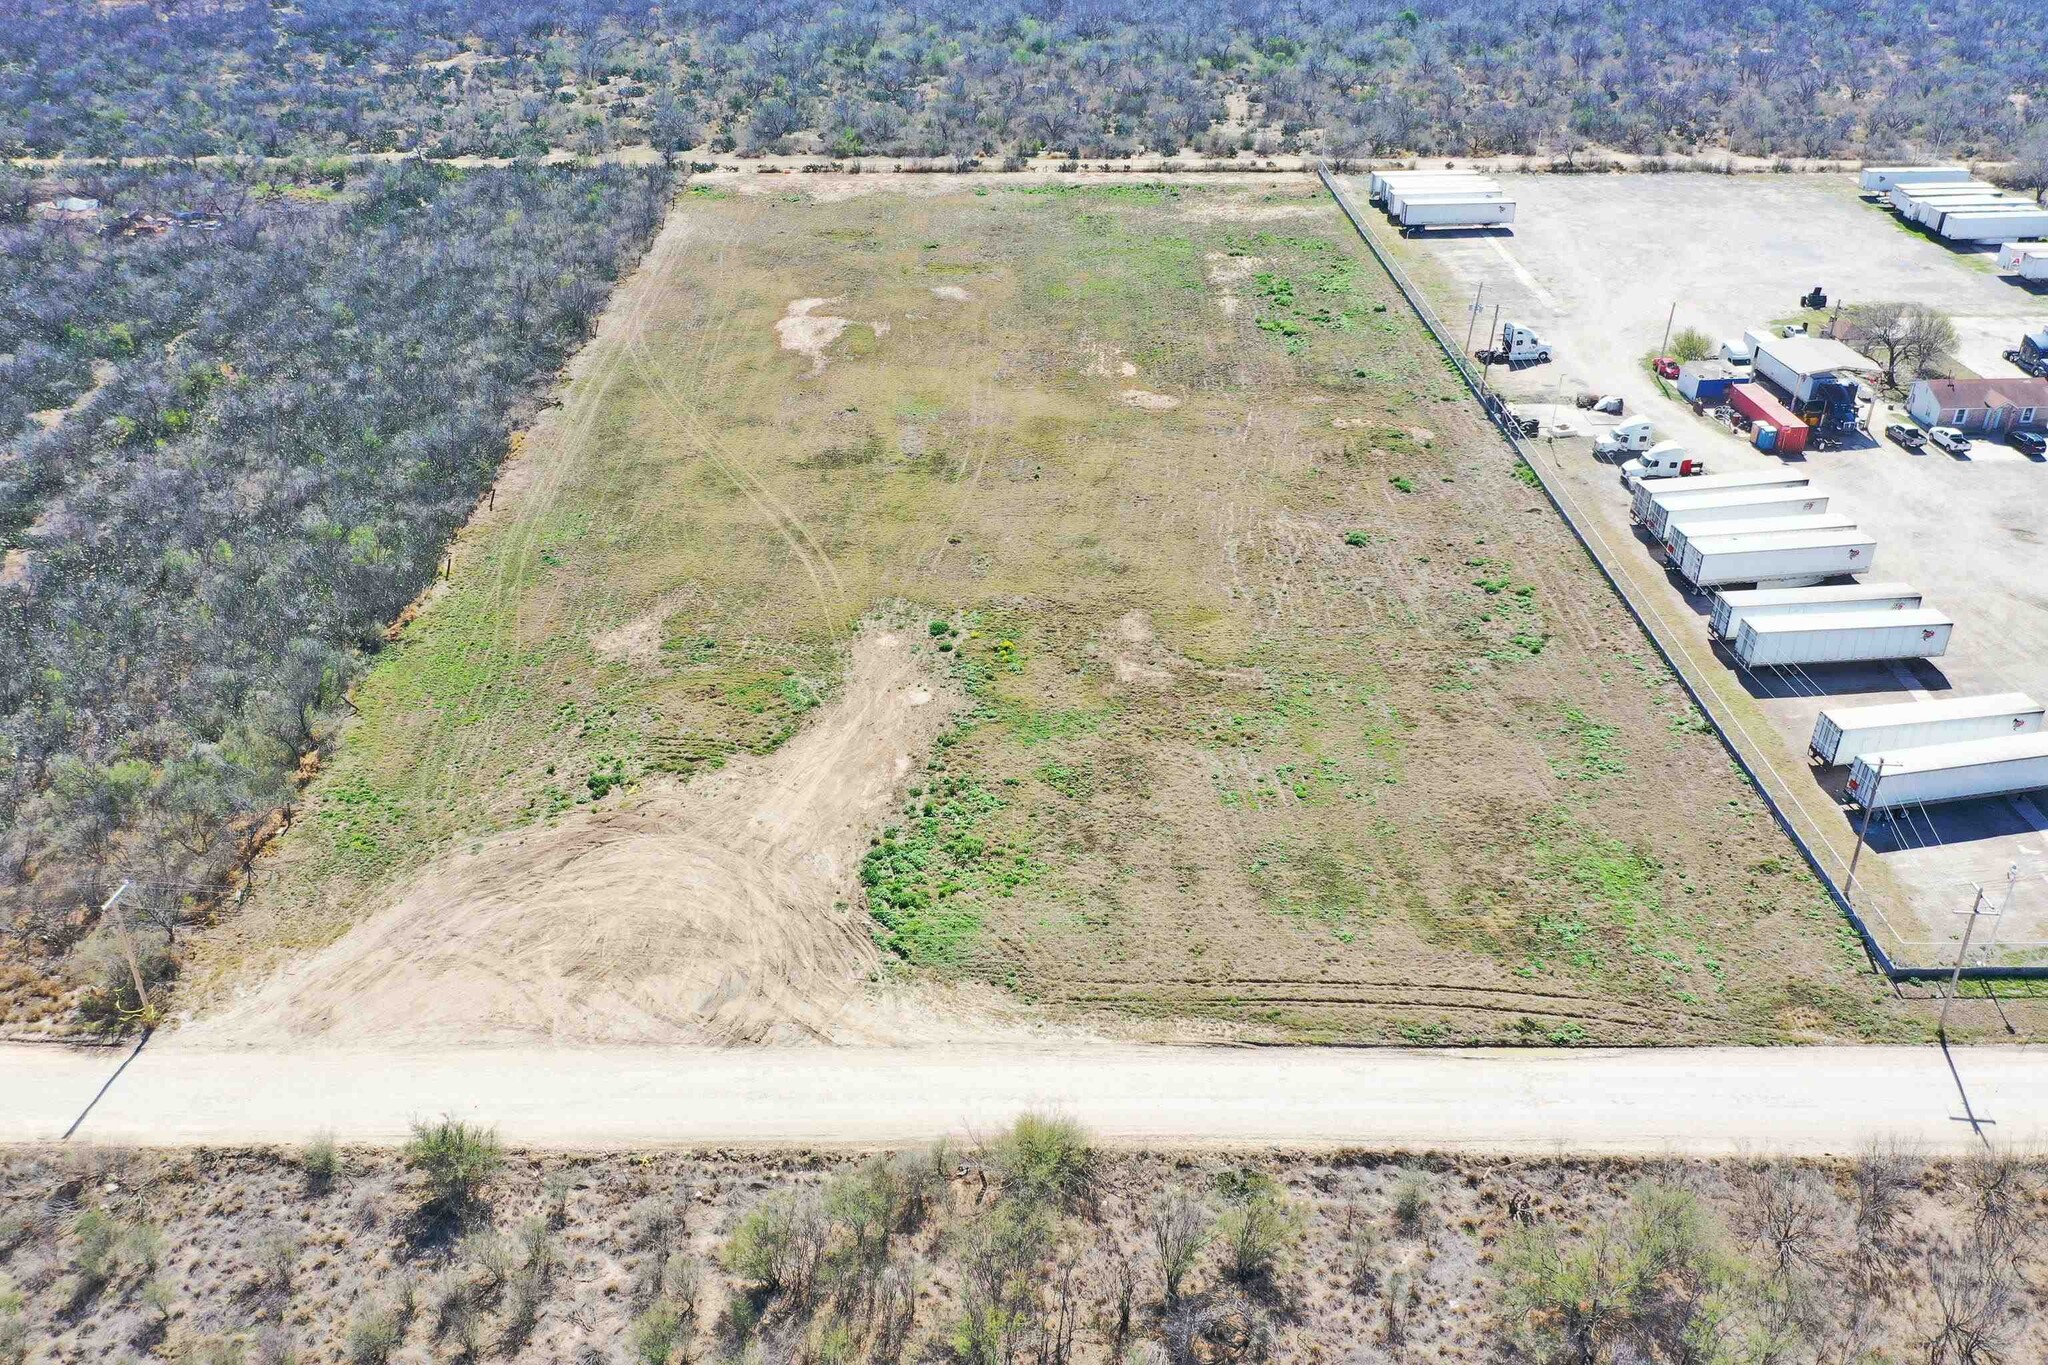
{"x": 1850, "y": 637}
{"x": 1793, "y": 560}
{"x": 1845, "y": 733}
{"x": 1963, "y": 771}
{"x": 1652, "y": 495}
{"x": 1731, "y": 609}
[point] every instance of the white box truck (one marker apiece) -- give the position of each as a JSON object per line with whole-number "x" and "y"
{"x": 1848, "y": 637}
{"x": 1844, "y": 733}
{"x": 1679, "y": 531}
{"x": 1776, "y": 561}
{"x": 1655, "y": 501}
{"x": 1881, "y": 179}
{"x": 1457, "y": 213}
{"x": 1731, "y": 609}
{"x": 1962, "y": 771}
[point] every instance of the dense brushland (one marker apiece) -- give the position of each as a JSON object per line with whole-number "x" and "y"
{"x": 1097, "y": 79}
{"x": 1031, "y": 1247}
{"x": 1294, "y": 708}
{"x": 231, "y": 451}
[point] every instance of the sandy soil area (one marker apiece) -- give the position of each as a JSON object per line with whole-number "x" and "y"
{"x": 718, "y": 911}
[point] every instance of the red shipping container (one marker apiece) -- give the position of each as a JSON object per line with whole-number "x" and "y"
{"x": 1758, "y": 404}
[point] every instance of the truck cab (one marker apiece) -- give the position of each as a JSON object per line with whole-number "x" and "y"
{"x": 1739, "y": 355}
{"x": 1632, "y": 437}
{"x": 1665, "y": 460}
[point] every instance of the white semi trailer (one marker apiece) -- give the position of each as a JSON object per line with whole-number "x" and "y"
{"x": 1380, "y": 183}
{"x": 1679, "y": 532}
{"x": 1430, "y": 192}
{"x": 1962, "y": 771}
{"x": 1844, "y": 638}
{"x": 1993, "y": 224}
{"x": 1792, "y": 560}
{"x": 1731, "y": 609}
{"x": 1741, "y": 505}
{"x": 1880, "y": 179}
{"x": 1653, "y": 494}
{"x": 1456, "y": 213}
{"x": 1845, "y": 733}
{"x": 2012, "y": 253}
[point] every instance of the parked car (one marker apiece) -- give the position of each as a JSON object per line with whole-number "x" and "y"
{"x": 1903, "y": 435}
{"x": 1949, "y": 439}
{"x": 1666, "y": 367}
{"x": 2031, "y": 442}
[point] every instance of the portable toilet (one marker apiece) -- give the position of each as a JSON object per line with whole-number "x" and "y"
{"x": 1766, "y": 436}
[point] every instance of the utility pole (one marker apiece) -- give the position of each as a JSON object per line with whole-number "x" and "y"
{"x": 127, "y": 942}
{"x": 1669, "y": 318}
{"x": 1955, "y": 978}
{"x": 1863, "y": 832}
{"x": 1473, "y": 320}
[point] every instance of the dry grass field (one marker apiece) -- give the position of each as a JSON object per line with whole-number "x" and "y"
{"x": 1242, "y": 687}
{"x": 1027, "y": 1247}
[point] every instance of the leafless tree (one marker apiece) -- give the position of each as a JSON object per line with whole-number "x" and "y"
{"x": 1976, "y": 1294}
{"x": 1786, "y": 1210}
{"x": 1180, "y": 1229}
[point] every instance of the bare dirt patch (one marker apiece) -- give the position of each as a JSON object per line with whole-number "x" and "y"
{"x": 713, "y": 911}
{"x": 1148, "y": 401}
{"x": 808, "y": 332}
{"x": 951, "y": 291}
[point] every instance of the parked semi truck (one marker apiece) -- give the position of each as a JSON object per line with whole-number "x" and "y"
{"x": 1843, "y": 734}
{"x": 1962, "y": 771}
{"x": 1665, "y": 460}
{"x": 1792, "y": 560}
{"x": 2031, "y": 355}
{"x": 1731, "y": 609}
{"x": 1681, "y": 531}
{"x": 1628, "y": 438}
{"x": 1848, "y": 637}
{"x": 1519, "y": 345}
{"x": 1653, "y": 497}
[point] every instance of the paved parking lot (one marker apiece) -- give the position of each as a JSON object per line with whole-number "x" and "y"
{"x": 1596, "y": 265}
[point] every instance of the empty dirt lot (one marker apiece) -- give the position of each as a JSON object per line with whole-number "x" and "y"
{"x": 1291, "y": 711}
{"x": 1595, "y": 263}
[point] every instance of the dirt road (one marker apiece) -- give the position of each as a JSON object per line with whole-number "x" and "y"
{"x": 1695, "y": 1101}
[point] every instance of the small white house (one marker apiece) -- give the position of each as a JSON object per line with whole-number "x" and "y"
{"x": 1991, "y": 407}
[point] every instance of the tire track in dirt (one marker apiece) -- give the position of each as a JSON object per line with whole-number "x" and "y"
{"x": 724, "y": 910}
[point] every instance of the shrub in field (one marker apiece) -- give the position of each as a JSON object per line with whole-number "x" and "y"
{"x": 321, "y": 1161}
{"x": 1690, "y": 343}
{"x": 456, "y": 1160}
{"x": 1044, "y": 1160}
